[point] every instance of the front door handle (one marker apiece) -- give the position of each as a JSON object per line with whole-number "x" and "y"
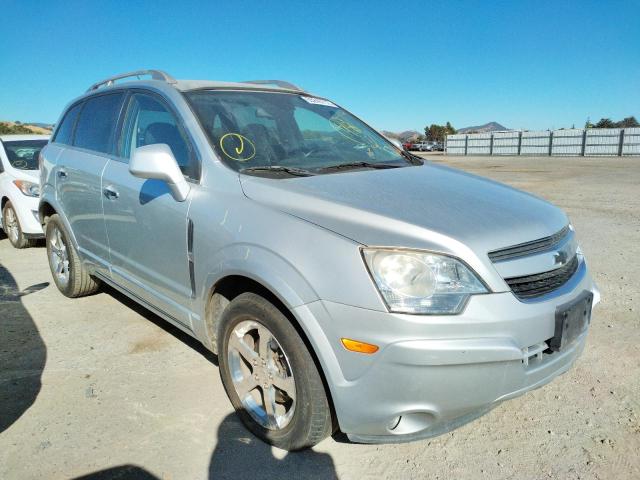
{"x": 62, "y": 174}
{"x": 111, "y": 193}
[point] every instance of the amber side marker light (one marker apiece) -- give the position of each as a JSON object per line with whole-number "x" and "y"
{"x": 359, "y": 347}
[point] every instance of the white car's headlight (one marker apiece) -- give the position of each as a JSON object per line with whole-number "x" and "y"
{"x": 30, "y": 189}
{"x": 421, "y": 282}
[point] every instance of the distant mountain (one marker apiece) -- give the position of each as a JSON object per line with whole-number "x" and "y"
{"x": 47, "y": 126}
{"x": 487, "y": 127}
{"x": 402, "y": 136}
{"x": 8, "y": 128}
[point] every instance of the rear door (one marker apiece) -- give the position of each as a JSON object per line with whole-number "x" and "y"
{"x": 79, "y": 170}
{"x": 146, "y": 227}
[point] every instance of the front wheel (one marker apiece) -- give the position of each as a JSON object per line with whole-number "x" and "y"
{"x": 11, "y": 226}
{"x": 270, "y": 376}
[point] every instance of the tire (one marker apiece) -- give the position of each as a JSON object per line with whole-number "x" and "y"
{"x": 72, "y": 279}
{"x": 12, "y": 228}
{"x": 310, "y": 420}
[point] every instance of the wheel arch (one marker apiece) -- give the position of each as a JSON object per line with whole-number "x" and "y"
{"x": 229, "y": 287}
{"x": 45, "y": 210}
{"x": 48, "y": 208}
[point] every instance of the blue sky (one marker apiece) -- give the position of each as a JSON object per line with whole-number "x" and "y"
{"x": 398, "y": 65}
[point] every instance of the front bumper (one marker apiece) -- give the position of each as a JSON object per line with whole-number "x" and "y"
{"x": 436, "y": 373}
{"x": 26, "y": 209}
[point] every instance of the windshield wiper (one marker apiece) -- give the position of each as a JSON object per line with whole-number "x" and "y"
{"x": 343, "y": 166}
{"x": 298, "y": 172}
{"x": 414, "y": 159}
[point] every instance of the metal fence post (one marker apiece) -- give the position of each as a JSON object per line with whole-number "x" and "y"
{"x": 466, "y": 143}
{"x": 491, "y": 144}
{"x": 550, "y": 142}
{"x": 584, "y": 142}
{"x": 621, "y": 144}
{"x": 519, "y": 142}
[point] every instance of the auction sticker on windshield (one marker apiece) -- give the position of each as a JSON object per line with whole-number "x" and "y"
{"x": 318, "y": 101}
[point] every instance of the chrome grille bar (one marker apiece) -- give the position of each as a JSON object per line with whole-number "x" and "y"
{"x": 528, "y": 248}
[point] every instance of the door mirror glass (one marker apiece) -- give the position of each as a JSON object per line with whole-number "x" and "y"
{"x": 157, "y": 162}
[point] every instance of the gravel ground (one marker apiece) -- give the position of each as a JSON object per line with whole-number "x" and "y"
{"x": 103, "y": 388}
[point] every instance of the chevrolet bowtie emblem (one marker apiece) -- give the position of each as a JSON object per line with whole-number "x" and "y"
{"x": 560, "y": 257}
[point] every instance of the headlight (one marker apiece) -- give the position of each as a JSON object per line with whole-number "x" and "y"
{"x": 421, "y": 282}
{"x": 30, "y": 189}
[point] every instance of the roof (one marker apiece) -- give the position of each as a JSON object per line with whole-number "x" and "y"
{"x": 158, "y": 76}
{"x": 185, "y": 85}
{"x": 19, "y": 137}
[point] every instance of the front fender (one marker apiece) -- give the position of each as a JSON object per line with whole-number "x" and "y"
{"x": 262, "y": 265}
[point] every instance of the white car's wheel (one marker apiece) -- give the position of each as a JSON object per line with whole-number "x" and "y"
{"x": 11, "y": 226}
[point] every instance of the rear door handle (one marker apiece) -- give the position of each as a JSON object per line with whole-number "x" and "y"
{"x": 62, "y": 174}
{"x": 111, "y": 193}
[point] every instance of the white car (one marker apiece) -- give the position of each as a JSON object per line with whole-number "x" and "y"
{"x": 20, "y": 187}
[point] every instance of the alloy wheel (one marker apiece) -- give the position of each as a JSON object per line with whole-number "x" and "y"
{"x": 262, "y": 375}
{"x": 59, "y": 257}
{"x": 11, "y": 226}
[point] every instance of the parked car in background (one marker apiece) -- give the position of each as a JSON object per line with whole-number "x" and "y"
{"x": 343, "y": 283}
{"x": 422, "y": 146}
{"x": 438, "y": 147}
{"x": 20, "y": 188}
{"x": 407, "y": 146}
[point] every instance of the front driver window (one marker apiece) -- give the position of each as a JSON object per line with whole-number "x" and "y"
{"x": 149, "y": 122}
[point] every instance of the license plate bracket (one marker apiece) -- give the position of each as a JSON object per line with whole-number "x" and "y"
{"x": 571, "y": 320}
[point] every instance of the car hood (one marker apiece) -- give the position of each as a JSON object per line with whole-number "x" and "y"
{"x": 429, "y": 206}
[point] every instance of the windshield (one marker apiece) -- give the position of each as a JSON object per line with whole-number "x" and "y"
{"x": 256, "y": 131}
{"x": 23, "y": 154}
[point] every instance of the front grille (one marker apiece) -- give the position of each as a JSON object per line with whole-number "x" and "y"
{"x": 528, "y": 248}
{"x": 530, "y": 286}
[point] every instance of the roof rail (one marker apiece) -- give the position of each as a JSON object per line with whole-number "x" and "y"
{"x": 277, "y": 83}
{"x": 155, "y": 75}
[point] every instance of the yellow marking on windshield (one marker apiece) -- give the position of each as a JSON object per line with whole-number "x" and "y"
{"x": 237, "y": 142}
{"x": 353, "y": 133}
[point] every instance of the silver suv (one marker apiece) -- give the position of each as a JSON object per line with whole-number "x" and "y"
{"x": 344, "y": 284}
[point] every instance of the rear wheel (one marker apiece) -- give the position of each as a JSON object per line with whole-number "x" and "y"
{"x": 270, "y": 376}
{"x": 11, "y": 226}
{"x": 69, "y": 275}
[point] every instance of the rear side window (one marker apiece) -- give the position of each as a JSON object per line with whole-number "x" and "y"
{"x": 64, "y": 134}
{"x": 97, "y": 123}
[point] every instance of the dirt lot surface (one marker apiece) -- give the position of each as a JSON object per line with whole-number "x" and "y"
{"x": 97, "y": 383}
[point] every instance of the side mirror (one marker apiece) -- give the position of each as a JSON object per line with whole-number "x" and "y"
{"x": 157, "y": 162}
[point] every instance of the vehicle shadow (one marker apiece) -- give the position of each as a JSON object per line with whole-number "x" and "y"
{"x": 238, "y": 454}
{"x": 22, "y": 351}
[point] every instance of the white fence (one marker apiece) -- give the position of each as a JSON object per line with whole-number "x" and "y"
{"x": 573, "y": 142}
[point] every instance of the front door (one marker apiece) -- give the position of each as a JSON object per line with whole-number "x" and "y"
{"x": 146, "y": 228}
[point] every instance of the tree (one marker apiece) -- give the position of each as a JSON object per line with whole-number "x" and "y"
{"x": 605, "y": 123}
{"x": 437, "y": 133}
{"x": 588, "y": 123}
{"x": 628, "y": 122}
